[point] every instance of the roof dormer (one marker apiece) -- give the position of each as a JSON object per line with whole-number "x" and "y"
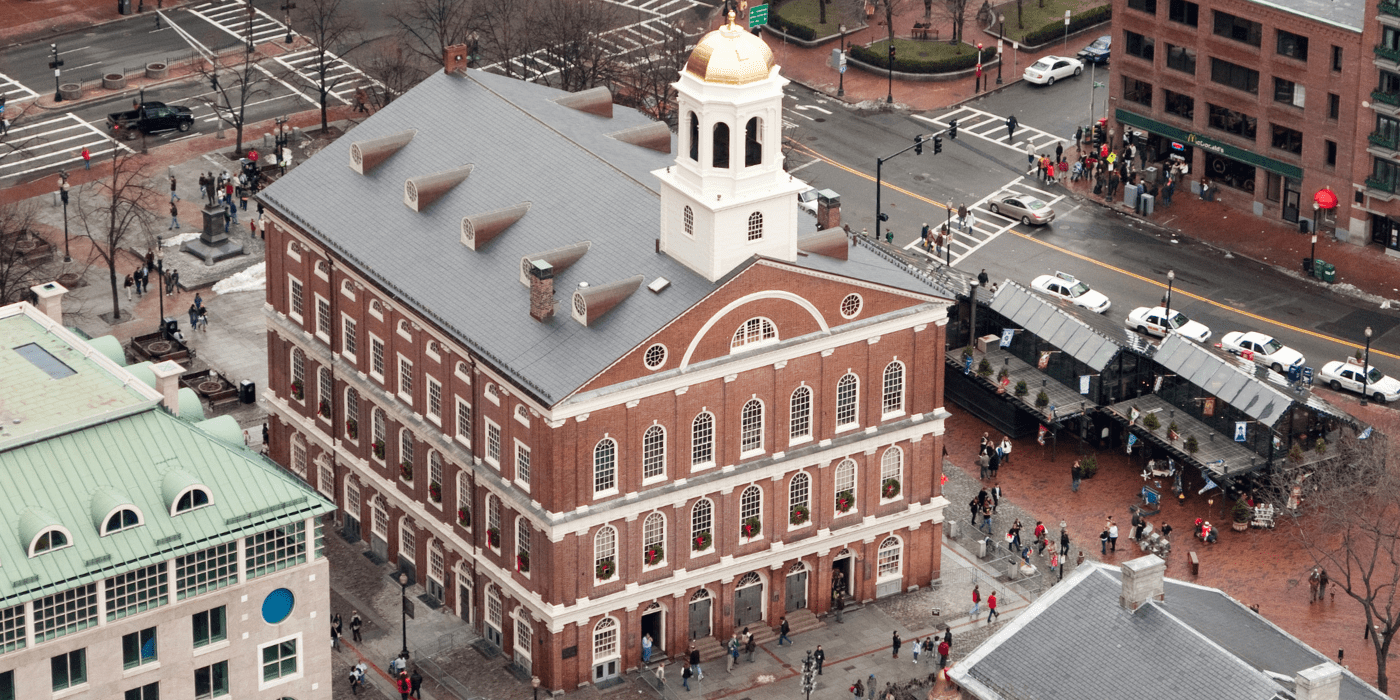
{"x": 420, "y": 192}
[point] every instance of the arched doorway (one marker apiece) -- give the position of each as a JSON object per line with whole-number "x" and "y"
{"x": 841, "y": 569}
{"x": 493, "y": 615}
{"x": 654, "y": 624}
{"x": 796, "y": 586}
{"x": 700, "y": 603}
{"x": 465, "y": 592}
{"x": 748, "y": 600}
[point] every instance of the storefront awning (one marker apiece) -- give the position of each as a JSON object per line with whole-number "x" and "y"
{"x": 1208, "y": 144}
{"x": 1217, "y": 455}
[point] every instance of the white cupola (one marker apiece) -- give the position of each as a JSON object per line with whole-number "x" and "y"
{"x": 727, "y": 198}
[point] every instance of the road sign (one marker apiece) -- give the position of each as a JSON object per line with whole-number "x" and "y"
{"x": 758, "y": 16}
{"x": 843, "y": 68}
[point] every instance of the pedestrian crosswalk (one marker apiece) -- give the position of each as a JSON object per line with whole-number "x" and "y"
{"x": 982, "y": 226}
{"x": 342, "y": 78}
{"x": 52, "y": 144}
{"x": 992, "y": 128}
{"x": 626, "y": 43}
{"x": 232, "y": 17}
{"x": 14, "y": 92}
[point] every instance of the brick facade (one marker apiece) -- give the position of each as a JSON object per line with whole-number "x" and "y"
{"x": 1375, "y": 216}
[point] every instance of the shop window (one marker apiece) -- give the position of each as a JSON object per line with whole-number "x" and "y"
{"x": 1183, "y": 12}
{"x": 1292, "y": 45}
{"x": 1183, "y": 106}
{"x": 1234, "y": 75}
{"x": 1148, "y": 6}
{"x": 1238, "y": 28}
{"x": 1289, "y": 92}
{"x": 1135, "y": 90}
{"x": 1273, "y": 186}
{"x": 1230, "y": 121}
{"x": 1229, "y": 172}
{"x": 1181, "y": 58}
{"x": 1286, "y": 139}
{"x": 1385, "y": 231}
{"x": 1143, "y": 47}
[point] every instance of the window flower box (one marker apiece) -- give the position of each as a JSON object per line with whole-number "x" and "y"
{"x": 323, "y": 409}
{"x": 463, "y": 517}
{"x": 378, "y": 448}
{"x": 435, "y": 492}
{"x": 406, "y": 471}
{"x": 352, "y": 429}
{"x": 493, "y": 538}
{"x": 522, "y": 562}
{"x": 298, "y": 389}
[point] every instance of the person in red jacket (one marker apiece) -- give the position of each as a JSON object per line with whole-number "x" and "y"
{"x": 943, "y": 648}
{"x": 405, "y": 685}
{"x": 992, "y": 607}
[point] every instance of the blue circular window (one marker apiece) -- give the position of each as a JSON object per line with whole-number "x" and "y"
{"x": 277, "y": 606}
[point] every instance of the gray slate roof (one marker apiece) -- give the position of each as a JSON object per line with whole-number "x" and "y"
{"x": 1086, "y": 337}
{"x": 1224, "y": 378}
{"x": 583, "y": 185}
{"x": 1077, "y": 643}
{"x": 1348, "y": 14}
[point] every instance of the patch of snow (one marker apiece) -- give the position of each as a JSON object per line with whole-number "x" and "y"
{"x": 177, "y": 239}
{"x": 253, "y": 279}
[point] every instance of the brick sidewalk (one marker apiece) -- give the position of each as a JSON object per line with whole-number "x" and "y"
{"x": 37, "y": 19}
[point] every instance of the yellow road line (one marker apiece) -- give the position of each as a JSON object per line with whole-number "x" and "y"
{"x": 1175, "y": 290}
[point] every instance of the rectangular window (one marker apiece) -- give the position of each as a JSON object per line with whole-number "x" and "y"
{"x": 464, "y": 420}
{"x": 1148, "y": 6}
{"x": 1289, "y": 92}
{"x": 1143, "y": 47}
{"x": 137, "y": 591}
{"x": 1286, "y": 139}
{"x": 1230, "y": 121}
{"x": 12, "y": 630}
{"x": 7, "y": 685}
{"x": 493, "y": 443}
{"x": 1181, "y": 58}
{"x": 1135, "y": 90}
{"x": 296, "y": 296}
{"x": 1292, "y": 45}
{"x": 1331, "y": 154}
{"x": 206, "y": 570}
{"x": 1183, "y": 12}
{"x": 139, "y": 648}
{"x": 1238, "y": 28}
{"x": 405, "y": 379}
{"x": 209, "y": 626}
{"x": 1273, "y": 186}
{"x": 1235, "y": 76}
{"x": 1334, "y": 106}
{"x": 279, "y": 660}
{"x": 434, "y": 398}
{"x": 522, "y": 464}
{"x": 64, "y": 613}
{"x": 211, "y": 681}
{"x": 376, "y": 357}
{"x": 69, "y": 669}
{"x": 323, "y": 317}
{"x": 275, "y": 549}
{"x": 150, "y": 691}
{"x": 1387, "y": 172}
{"x": 1183, "y": 106}
{"x": 347, "y": 336}
{"x": 1390, "y": 39}
{"x": 1337, "y": 59}
{"x": 1388, "y": 83}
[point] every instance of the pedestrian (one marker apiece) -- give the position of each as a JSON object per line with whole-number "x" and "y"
{"x": 199, "y": 304}
{"x": 243, "y": 195}
{"x": 993, "y": 463}
{"x": 661, "y": 674}
{"x": 194, "y": 316}
{"x": 984, "y": 463}
{"x": 646, "y": 648}
{"x": 918, "y": 647}
{"x": 1011, "y": 124}
{"x": 170, "y": 283}
{"x": 335, "y": 638}
{"x": 1075, "y": 474}
{"x": 992, "y": 607}
{"x": 995, "y": 496}
{"x": 1322, "y": 585}
{"x": 982, "y": 277}
{"x": 870, "y": 686}
{"x": 1207, "y": 194}
{"x": 174, "y": 196}
{"x": 1059, "y": 151}
{"x": 750, "y": 644}
{"x": 204, "y": 319}
{"x": 4, "y": 126}
{"x": 1040, "y": 539}
{"x": 227, "y": 219}
{"x": 1103, "y": 542}
{"x": 405, "y": 686}
{"x": 232, "y": 208}
{"x": 976, "y": 601}
{"x": 355, "y": 621}
{"x": 943, "y": 649}
{"x": 819, "y": 656}
{"x": 895, "y": 643}
{"x": 986, "y": 525}
{"x": 1138, "y": 524}
{"x": 1013, "y": 535}
{"x": 1064, "y": 542}
{"x": 203, "y": 187}
{"x": 1113, "y": 181}
{"x": 361, "y": 101}
{"x": 1005, "y": 449}
{"x": 1078, "y": 135}
{"x": 1166, "y": 530}
{"x": 976, "y": 508}
{"x": 1169, "y": 189}
{"x": 338, "y": 624}
{"x": 731, "y": 653}
{"x": 87, "y": 158}
{"x": 695, "y": 662}
{"x": 1030, "y": 158}
{"x": 262, "y": 225}
{"x": 686, "y": 673}
{"x": 416, "y": 683}
{"x": 127, "y": 285}
{"x": 1112, "y": 536}
{"x": 783, "y": 630}
{"x": 857, "y": 690}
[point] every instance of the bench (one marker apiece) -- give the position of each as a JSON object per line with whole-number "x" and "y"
{"x": 1195, "y": 564}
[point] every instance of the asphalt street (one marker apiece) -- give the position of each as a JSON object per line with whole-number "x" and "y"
{"x": 834, "y": 146}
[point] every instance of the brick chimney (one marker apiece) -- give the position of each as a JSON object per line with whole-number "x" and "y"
{"x": 828, "y": 210}
{"x": 168, "y": 384}
{"x": 541, "y": 290}
{"x": 1321, "y": 682}
{"x": 1142, "y": 581}
{"x": 454, "y": 58}
{"x": 50, "y": 300}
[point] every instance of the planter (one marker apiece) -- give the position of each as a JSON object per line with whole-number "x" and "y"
{"x": 157, "y": 71}
{"x": 71, "y": 91}
{"x": 1239, "y": 527}
{"x": 113, "y": 81}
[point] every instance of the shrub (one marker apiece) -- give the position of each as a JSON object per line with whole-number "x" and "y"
{"x": 1021, "y": 388}
{"x": 1296, "y": 453}
{"x": 1042, "y": 399}
{"x": 949, "y": 64}
{"x": 984, "y": 368}
{"x": 1055, "y": 31}
{"x": 1151, "y": 422}
{"x": 1321, "y": 446}
{"x": 1241, "y": 511}
{"x": 967, "y": 352}
{"x": 1192, "y": 446}
{"x": 1088, "y": 466}
{"x": 792, "y": 29}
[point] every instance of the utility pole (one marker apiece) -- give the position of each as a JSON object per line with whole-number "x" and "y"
{"x": 251, "y": 11}
{"x": 55, "y": 64}
{"x": 918, "y": 148}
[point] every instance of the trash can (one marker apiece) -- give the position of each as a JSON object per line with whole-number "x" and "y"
{"x": 1329, "y": 273}
{"x": 1130, "y": 195}
{"x": 1317, "y": 267}
{"x": 123, "y": 7}
{"x": 170, "y": 326}
{"x": 1145, "y": 204}
{"x": 1308, "y": 265}
{"x": 1303, "y": 225}
{"x": 247, "y": 391}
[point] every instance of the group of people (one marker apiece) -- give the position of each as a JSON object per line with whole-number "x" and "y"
{"x": 140, "y": 278}
{"x": 199, "y": 314}
{"x": 990, "y": 456}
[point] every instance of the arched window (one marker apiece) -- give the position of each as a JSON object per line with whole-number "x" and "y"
{"x": 799, "y": 499}
{"x": 702, "y": 521}
{"x": 755, "y": 331}
{"x": 751, "y": 504}
{"x": 688, "y": 218}
{"x": 298, "y": 374}
{"x": 299, "y": 455}
{"x": 605, "y": 644}
{"x": 123, "y": 519}
{"x": 753, "y": 143}
{"x": 845, "y": 485}
{"x": 702, "y": 440}
{"x": 605, "y": 465}
{"x": 893, "y": 396}
{"x": 493, "y": 522}
{"x": 49, "y": 540}
{"x": 352, "y": 413}
{"x": 654, "y": 452}
{"x": 847, "y": 393}
{"x": 755, "y": 225}
{"x": 522, "y": 545}
{"x": 654, "y": 539}
{"x": 892, "y": 473}
{"x": 605, "y": 552}
{"x": 720, "y": 146}
{"x": 889, "y": 558}
{"x": 751, "y": 426}
{"x": 191, "y": 499}
{"x": 800, "y": 415}
{"x": 694, "y": 137}
{"x": 406, "y": 453}
{"x": 324, "y": 395}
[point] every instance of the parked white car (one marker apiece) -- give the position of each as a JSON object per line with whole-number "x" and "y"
{"x": 1347, "y": 375}
{"x": 1065, "y": 287}
{"x": 1153, "y": 321}
{"x": 1262, "y": 349}
{"x": 1051, "y": 68}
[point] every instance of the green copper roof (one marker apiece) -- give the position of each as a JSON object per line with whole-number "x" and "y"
{"x": 34, "y": 404}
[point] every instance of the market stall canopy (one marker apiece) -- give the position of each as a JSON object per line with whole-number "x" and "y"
{"x": 1219, "y": 376}
{"x": 1089, "y": 338}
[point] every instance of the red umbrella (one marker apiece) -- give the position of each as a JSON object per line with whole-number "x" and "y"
{"x": 1325, "y": 198}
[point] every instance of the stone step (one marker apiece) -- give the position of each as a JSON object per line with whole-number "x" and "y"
{"x": 803, "y": 620}
{"x": 710, "y": 649}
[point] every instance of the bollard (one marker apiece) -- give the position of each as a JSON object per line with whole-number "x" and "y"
{"x": 953, "y": 527}
{"x": 267, "y": 143}
{"x": 982, "y": 548}
{"x": 296, "y": 131}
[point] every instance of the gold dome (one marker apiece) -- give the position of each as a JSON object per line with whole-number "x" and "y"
{"x": 730, "y": 56}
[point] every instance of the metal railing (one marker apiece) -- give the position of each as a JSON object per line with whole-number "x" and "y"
{"x": 1389, "y": 7}
{"x": 1382, "y": 185}
{"x": 1389, "y": 54}
{"x": 1391, "y": 142}
{"x": 1390, "y": 98}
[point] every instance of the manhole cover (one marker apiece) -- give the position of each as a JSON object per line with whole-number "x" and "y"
{"x": 210, "y": 387}
{"x": 160, "y": 347}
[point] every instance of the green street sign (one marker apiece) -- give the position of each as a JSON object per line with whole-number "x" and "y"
{"x": 758, "y": 16}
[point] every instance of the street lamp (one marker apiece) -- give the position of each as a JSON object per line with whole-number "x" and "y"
{"x": 55, "y": 64}
{"x": 948, "y": 238}
{"x": 1001, "y": 36}
{"x": 403, "y": 609}
{"x": 1171, "y": 277}
{"x": 1366, "y": 366}
{"x": 535, "y": 683}
{"x": 63, "y": 194}
{"x": 889, "y": 98}
{"x": 287, "y": 7}
{"x": 977, "y": 83}
{"x": 841, "y": 66}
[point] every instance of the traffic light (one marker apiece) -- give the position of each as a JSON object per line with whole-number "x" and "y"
{"x": 891, "y": 55}
{"x": 937, "y": 144}
{"x": 953, "y": 129}
{"x": 1098, "y": 134}
{"x": 918, "y": 145}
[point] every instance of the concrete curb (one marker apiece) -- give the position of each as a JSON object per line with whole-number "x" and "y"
{"x": 69, "y": 105}
{"x": 790, "y": 39}
{"x": 87, "y": 28}
{"x": 921, "y": 77}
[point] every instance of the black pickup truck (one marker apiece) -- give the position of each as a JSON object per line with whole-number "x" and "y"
{"x": 150, "y": 118}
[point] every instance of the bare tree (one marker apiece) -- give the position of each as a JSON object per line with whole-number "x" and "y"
{"x": 508, "y": 34}
{"x": 428, "y": 27}
{"x": 955, "y": 12}
{"x": 580, "y": 56}
{"x": 646, "y": 82}
{"x": 1349, "y": 524}
{"x": 890, "y": 8}
{"x": 118, "y": 211}
{"x": 332, "y": 28}
{"x": 231, "y": 91}
{"x": 20, "y": 267}
{"x": 396, "y": 68}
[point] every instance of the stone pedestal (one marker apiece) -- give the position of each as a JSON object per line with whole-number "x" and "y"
{"x": 213, "y": 244}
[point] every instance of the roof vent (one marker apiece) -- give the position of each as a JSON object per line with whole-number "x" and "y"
{"x": 595, "y": 101}
{"x": 656, "y": 136}
{"x": 365, "y": 156}
{"x": 420, "y": 192}
{"x": 583, "y": 285}
{"x": 480, "y": 229}
{"x": 831, "y": 243}
{"x": 591, "y": 304}
{"x": 659, "y": 284}
{"x": 559, "y": 258}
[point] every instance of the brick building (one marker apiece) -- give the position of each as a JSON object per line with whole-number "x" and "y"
{"x": 1266, "y": 100}
{"x": 723, "y": 421}
{"x": 1377, "y": 143}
